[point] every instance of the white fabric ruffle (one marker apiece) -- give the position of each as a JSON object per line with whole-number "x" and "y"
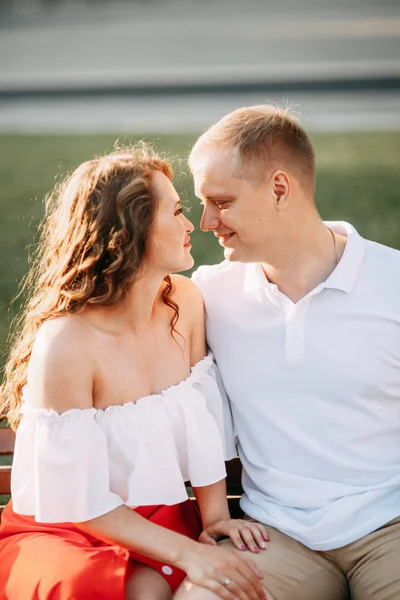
{"x": 80, "y": 464}
{"x": 61, "y": 468}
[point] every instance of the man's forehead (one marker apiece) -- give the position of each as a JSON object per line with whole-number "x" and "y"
{"x": 210, "y": 157}
{"x": 212, "y": 183}
{"x": 213, "y": 171}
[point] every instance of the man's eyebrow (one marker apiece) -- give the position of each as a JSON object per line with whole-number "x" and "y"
{"x": 214, "y": 194}
{"x": 219, "y": 197}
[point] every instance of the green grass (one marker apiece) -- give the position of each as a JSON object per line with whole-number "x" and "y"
{"x": 358, "y": 179}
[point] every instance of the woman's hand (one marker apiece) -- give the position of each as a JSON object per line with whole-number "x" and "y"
{"x": 245, "y": 535}
{"x": 224, "y": 571}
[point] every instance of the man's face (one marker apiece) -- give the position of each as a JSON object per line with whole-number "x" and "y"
{"x": 238, "y": 210}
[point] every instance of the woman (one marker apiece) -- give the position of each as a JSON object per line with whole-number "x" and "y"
{"x": 114, "y": 397}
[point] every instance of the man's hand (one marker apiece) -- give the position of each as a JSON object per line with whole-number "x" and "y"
{"x": 245, "y": 535}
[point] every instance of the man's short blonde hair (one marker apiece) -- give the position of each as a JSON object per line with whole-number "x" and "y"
{"x": 263, "y": 138}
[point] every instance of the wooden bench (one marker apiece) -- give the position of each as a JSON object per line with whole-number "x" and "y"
{"x": 7, "y": 438}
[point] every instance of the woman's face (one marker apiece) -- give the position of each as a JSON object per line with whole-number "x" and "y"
{"x": 170, "y": 240}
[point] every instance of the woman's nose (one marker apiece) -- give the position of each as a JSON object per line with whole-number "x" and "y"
{"x": 188, "y": 225}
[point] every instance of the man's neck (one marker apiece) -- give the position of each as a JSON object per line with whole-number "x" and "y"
{"x": 308, "y": 262}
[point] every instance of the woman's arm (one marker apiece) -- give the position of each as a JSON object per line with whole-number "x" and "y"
{"x": 205, "y": 566}
{"x": 212, "y": 501}
{"x": 123, "y": 526}
{"x": 61, "y": 376}
{"x": 217, "y": 522}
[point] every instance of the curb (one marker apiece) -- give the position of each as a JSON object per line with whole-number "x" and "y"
{"x": 336, "y": 84}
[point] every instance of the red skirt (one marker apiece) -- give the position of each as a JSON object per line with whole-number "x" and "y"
{"x": 59, "y": 562}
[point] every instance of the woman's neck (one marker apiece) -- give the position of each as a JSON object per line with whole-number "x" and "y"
{"x": 137, "y": 310}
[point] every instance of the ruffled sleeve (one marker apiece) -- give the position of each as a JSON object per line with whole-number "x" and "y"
{"x": 207, "y": 380}
{"x": 60, "y": 470}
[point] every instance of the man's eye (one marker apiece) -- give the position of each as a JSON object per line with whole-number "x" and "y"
{"x": 222, "y": 204}
{"x": 179, "y": 211}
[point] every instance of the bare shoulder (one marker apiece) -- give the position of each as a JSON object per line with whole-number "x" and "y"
{"x": 62, "y": 337}
{"x": 187, "y": 294}
{"x": 191, "y": 308}
{"x": 60, "y": 372}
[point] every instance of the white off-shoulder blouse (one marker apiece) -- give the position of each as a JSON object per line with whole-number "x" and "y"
{"x": 81, "y": 464}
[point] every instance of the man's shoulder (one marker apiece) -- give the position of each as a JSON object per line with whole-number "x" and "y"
{"x": 380, "y": 251}
{"x": 382, "y": 272}
{"x": 384, "y": 260}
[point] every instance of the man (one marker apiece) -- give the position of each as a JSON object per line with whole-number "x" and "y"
{"x": 303, "y": 318}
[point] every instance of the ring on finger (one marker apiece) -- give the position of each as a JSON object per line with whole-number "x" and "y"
{"x": 227, "y": 581}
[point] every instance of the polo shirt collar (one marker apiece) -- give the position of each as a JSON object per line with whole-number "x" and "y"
{"x": 345, "y": 274}
{"x": 342, "y": 278}
{"x": 254, "y": 277}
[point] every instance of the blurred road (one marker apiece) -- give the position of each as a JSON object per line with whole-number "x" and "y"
{"x": 176, "y": 114}
{"x": 112, "y": 58}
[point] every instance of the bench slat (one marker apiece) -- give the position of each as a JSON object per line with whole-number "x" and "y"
{"x": 234, "y": 508}
{"x": 5, "y": 480}
{"x": 234, "y": 477}
{"x": 7, "y": 440}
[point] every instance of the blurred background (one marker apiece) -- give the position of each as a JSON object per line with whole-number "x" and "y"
{"x": 76, "y": 75}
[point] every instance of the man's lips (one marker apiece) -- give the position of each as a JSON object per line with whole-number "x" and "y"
{"x": 224, "y": 237}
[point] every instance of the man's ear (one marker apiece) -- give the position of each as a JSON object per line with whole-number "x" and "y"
{"x": 280, "y": 190}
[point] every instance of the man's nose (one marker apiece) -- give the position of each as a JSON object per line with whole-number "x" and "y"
{"x": 209, "y": 219}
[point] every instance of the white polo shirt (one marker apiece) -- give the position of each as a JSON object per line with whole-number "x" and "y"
{"x": 315, "y": 392}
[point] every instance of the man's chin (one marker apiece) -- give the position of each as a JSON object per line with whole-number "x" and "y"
{"x": 231, "y": 255}
{"x": 235, "y": 255}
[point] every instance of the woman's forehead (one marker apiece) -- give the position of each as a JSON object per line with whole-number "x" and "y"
{"x": 164, "y": 189}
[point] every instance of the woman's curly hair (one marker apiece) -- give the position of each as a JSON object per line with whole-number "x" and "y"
{"x": 93, "y": 242}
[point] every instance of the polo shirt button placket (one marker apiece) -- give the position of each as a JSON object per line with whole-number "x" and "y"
{"x": 295, "y": 320}
{"x": 273, "y": 294}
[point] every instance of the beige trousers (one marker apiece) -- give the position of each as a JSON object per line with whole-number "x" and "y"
{"x": 368, "y": 569}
